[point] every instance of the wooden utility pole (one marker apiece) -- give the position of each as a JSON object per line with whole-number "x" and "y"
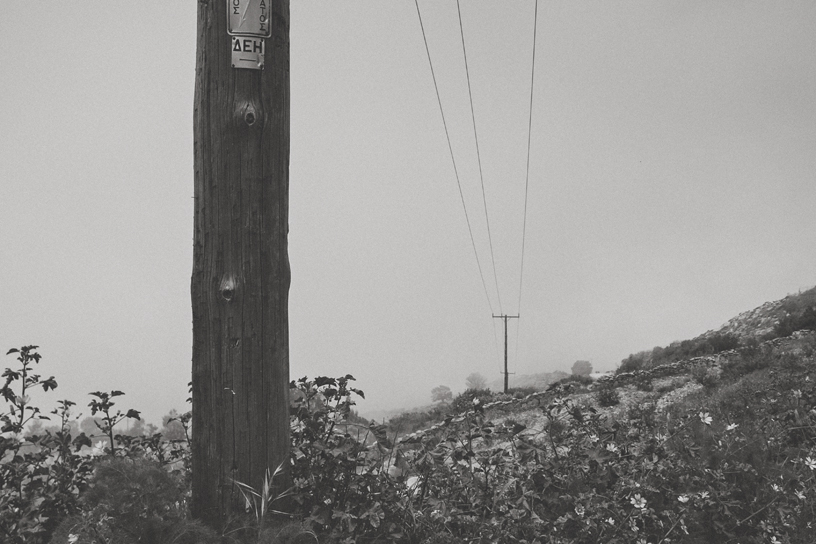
{"x": 506, "y": 374}
{"x": 240, "y": 280}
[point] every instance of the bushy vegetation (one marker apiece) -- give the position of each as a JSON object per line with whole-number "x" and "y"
{"x": 465, "y": 400}
{"x": 580, "y": 379}
{"x": 678, "y": 351}
{"x": 735, "y": 462}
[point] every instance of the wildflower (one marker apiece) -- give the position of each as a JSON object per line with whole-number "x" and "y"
{"x": 774, "y": 540}
{"x": 613, "y": 448}
{"x": 800, "y": 495}
{"x": 705, "y": 417}
{"x": 593, "y": 438}
{"x": 660, "y": 437}
{"x": 638, "y": 501}
{"x": 776, "y": 488}
{"x": 72, "y": 538}
{"x": 797, "y": 393}
{"x": 811, "y": 463}
{"x": 579, "y": 510}
{"x": 610, "y": 521}
{"x": 683, "y": 498}
{"x": 732, "y": 426}
{"x": 703, "y": 494}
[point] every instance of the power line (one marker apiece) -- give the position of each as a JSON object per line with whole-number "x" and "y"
{"x": 453, "y": 161}
{"x": 478, "y": 157}
{"x": 527, "y": 177}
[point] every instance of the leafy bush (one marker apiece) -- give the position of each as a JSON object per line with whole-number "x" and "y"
{"x": 580, "y": 379}
{"x": 678, "y": 351}
{"x": 130, "y": 501}
{"x": 644, "y": 383}
{"x": 802, "y": 320}
{"x": 607, "y": 396}
{"x": 464, "y": 401}
{"x": 41, "y": 476}
{"x": 705, "y": 376}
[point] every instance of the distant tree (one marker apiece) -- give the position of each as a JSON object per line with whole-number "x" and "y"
{"x": 36, "y": 428}
{"x": 89, "y": 427}
{"x": 139, "y": 427}
{"x": 172, "y": 429}
{"x": 476, "y": 381}
{"x": 582, "y": 368}
{"x": 441, "y": 393}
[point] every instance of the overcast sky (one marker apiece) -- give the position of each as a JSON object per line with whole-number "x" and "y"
{"x": 672, "y": 185}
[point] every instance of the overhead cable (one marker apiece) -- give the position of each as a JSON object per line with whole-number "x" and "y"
{"x": 453, "y": 161}
{"x": 527, "y": 177}
{"x": 479, "y": 158}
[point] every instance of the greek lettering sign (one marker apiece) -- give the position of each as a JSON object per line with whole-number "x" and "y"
{"x": 248, "y": 18}
{"x": 247, "y": 52}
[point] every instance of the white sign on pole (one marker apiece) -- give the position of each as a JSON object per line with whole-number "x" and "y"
{"x": 248, "y": 18}
{"x": 247, "y": 52}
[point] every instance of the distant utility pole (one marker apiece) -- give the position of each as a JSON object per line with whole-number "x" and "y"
{"x": 505, "y": 317}
{"x": 240, "y": 279}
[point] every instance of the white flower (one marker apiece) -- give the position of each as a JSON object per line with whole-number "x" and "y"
{"x": 774, "y": 540}
{"x": 638, "y": 501}
{"x": 811, "y": 463}
{"x": 610, "y": 521}
{"x": 579, "y": 510}
{"x": 703, "y": 494}
{"x": 776, "y": 488}
{"x": 732, "y": 426}
{"x": 613, "y": 448}
{"x": 683, "y": 498}
{"x": 797, "y": 393}
{"x": 705, "y": 417}
{"x": 800, "y": 495}
{"x": 413, "y": 484}
{"x": 72, "y": 538}
{"x": 593, "y": 438}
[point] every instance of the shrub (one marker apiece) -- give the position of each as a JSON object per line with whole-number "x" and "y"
{"x": 644, "y": 383}
{"x": 749, "y": 359}
{"x": 607, "y": 396}
{"x": 707, "y": 377}
{"x": 577, "y": 378}
{"x": 132, "y": 501}
{"x": 632, "y": 363}
{"x": 464, "y": 401}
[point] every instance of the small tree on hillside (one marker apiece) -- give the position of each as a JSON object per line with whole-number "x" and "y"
{"x": 441, "y": 393}
{"x": 476, "y": 381}
{"x": 582, "y": 368}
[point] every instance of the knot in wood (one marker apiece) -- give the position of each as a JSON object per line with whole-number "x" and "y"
{"x": 249, "y": 114}
{"x": 227, "y": 287}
